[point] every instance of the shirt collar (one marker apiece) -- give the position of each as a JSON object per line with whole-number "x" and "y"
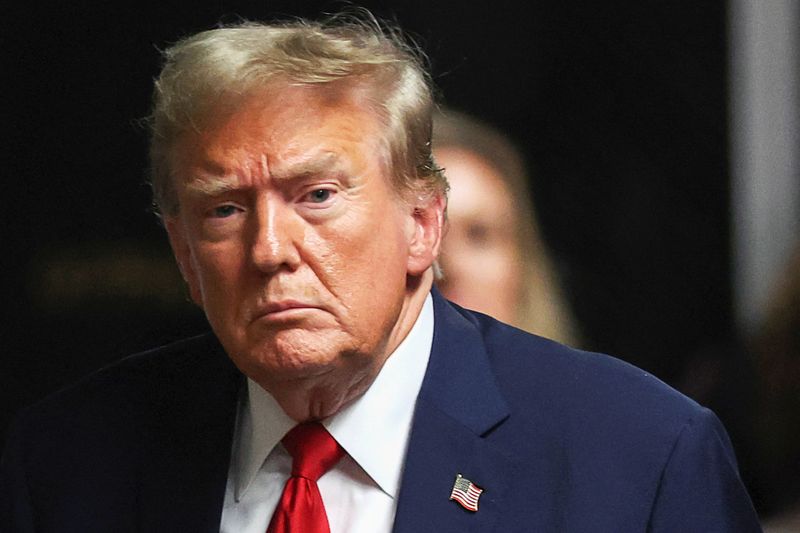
{"x": 261, "y": 425}
{"x": 374, "y": 429}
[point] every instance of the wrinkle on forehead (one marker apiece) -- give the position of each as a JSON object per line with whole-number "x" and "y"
{"x": 213, "y": 180}
{"x": 263, "y": 165}
{"x": 314, "y": 162}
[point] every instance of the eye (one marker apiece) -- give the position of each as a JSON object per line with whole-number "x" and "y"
{"x": 224, "y": 211}
{"x": 478, "y": 234}
{"x": 318, "y": 196}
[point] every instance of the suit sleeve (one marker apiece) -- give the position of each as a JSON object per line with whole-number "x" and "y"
{"x": 700, "y": 489}
{"x": 16, "y": 512}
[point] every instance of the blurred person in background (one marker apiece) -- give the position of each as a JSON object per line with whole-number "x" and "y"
{"x": 494, "y": 259}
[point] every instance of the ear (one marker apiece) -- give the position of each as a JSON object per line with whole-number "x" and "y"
{"x": 178, "y": 240}
{"x": 426, "y": 239}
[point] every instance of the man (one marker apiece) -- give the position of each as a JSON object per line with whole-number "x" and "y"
{"x": 292, "y": 169}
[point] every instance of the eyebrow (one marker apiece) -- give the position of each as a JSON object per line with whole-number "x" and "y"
{"x": 210, "y": 185}
{"x": 213, "y": 183}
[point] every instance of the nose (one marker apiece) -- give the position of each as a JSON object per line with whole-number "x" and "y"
{"x": 276, "y": 237}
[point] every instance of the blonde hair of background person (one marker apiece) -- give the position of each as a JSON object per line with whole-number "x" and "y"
{"x": 540, "y": 306}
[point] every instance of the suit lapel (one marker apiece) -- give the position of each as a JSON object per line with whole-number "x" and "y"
{"x": 458, "y": 404}
{"x": 187, "y": 453}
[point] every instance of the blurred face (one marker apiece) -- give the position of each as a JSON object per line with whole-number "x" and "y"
{"x": 295, "y": 245}
{"x": 480, "y": 256}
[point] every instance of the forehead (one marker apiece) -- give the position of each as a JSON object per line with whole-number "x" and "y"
{"x": 287, "y": 126}
{"x": 474, "y": 183}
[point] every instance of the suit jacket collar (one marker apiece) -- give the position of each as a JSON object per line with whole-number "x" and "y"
{"x": 459, "y": 379}
{"x": 458, "y": 405}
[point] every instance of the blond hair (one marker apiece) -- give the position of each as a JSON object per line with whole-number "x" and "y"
{"x": 211, "y": 72}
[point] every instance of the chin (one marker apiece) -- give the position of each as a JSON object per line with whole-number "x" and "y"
{"x": 284, "y": 360}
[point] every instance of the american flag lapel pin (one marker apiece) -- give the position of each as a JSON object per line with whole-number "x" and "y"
{"x": 466, "y": 493}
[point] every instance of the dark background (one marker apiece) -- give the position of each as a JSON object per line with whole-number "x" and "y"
{"x": 619, "y": 106}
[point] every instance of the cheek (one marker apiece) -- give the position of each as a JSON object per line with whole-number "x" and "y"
{"x": 219, "y": 271}
{"x": 489, "y": 280}
{"x": 364, "y": 266}
{"x": 509, "y": 276}
{"x": 364, "y": 247}
{"x": 500, "y": 263}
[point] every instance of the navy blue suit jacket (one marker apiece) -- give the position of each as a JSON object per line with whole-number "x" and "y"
{"x": 561, "y": 441}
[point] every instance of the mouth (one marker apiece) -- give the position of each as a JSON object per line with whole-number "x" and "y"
{"x": 283, "y": 310}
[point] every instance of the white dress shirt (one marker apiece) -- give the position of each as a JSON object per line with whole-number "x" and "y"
{"x": 360, "y": 492}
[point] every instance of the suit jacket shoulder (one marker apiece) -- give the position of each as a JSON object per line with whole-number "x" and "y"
{"x": 124, "y": 447}
{"x": 561, "y": 440}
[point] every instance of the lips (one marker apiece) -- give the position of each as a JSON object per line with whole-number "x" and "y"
{"x": 283, "y": 308}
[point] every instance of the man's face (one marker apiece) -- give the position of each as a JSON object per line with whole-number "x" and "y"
{"x": 292, "y": 239}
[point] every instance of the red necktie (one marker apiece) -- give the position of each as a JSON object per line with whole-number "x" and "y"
{"x": 313, "y": 452}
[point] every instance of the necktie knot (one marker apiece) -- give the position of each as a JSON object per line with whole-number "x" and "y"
{"x": 314, "y": 451}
